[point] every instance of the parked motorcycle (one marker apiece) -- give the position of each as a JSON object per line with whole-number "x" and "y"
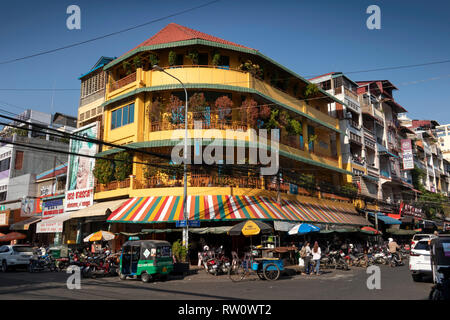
{"x": 41, "y": 262}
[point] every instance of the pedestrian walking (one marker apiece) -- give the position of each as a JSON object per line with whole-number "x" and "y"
{"x": 305, "y": 254}
{"x": 316, "y": 254}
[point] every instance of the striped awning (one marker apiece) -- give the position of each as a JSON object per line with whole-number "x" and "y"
{"x": 227, "y": 208}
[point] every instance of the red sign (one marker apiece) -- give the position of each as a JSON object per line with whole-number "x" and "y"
{"x": 409, "y": 210}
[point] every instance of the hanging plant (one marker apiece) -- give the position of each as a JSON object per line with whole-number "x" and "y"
{"x": 224, "y": 105}
{"x": 193, "y": 56}
{"x": 103, "y": 171}
{"x": 172, "y": 58}
{"x": 153, "y": 59}
{"x": 123, "y": 167}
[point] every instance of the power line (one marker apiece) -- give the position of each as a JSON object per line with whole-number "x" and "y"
{"x": 110, "y": 34}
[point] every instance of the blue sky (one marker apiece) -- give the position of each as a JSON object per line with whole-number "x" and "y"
{"x": 309, "y": 37}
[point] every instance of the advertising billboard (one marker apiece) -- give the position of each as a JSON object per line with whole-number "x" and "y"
{"x": 408, "y": 158}
{"x": 80, "y": 178}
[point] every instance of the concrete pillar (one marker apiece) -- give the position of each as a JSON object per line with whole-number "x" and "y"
{"x": 305, "y": 135}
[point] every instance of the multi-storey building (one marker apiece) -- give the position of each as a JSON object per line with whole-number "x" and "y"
{"x": 443, "y": 135}
{"x": 20, "y": 164}
{"x": 92, "y": 93}
{"x": 380, "y": 118}
{"x": 231, "y": 87}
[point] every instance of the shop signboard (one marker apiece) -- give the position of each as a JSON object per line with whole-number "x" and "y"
{"x": 52, "y": 207}
{"x": 408, "y": 158}
{"x": 30, "y": 207}
{"x": 46, "y": 227}
{"x": 80, "y": 178}
{"x": 409, "y": 210}
{"x": 4, "y": 219}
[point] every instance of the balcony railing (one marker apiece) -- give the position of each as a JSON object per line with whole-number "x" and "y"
{"x": 113, "y": 185}
{"x": 220, "y": 125}
{"x": 355, "y": 138}
{"x": 123, "y": 82}
{"x": 351, "y": 94}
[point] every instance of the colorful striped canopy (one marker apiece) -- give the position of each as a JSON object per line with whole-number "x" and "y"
{"x": 225, "y": 208}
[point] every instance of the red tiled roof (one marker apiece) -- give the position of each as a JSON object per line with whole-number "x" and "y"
{"x": 174, "y": 32}
{"x": 323, "y": 75}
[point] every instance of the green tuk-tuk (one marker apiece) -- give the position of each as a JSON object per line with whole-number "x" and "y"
{"x": 147, "y": 259}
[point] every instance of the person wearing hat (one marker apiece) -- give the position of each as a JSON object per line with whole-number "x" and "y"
{"x": 393, "y": 247}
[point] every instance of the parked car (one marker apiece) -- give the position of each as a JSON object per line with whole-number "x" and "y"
{"x": 15, "y": 255}
{"x": 419, "y": 260}
{"x": 420, "y": 236}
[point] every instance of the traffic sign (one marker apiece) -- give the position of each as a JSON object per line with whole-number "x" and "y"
{"x": 191, "y": 223}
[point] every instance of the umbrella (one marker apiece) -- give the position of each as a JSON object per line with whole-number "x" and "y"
{"x": 12, "y": 236}
{"x": 250, "y": 228}
{"x": 100, "y": 236}
{"x": 370, "y": 230}
{"x": 303, "y": 228}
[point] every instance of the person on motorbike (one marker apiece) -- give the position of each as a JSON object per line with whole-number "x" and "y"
{"x": 393, "y": 247}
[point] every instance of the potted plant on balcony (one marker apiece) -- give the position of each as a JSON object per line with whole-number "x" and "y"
{"x": 294, "y": 129}
{"x": 181, "y": 263}
{"x": 123, "y": 166}
{"x": 224, "y": 106}
{"x": 137, "y": 62}
{"x": 172, "y": 58}
{"x": 215, "y": 58}
{"x": 193, "y": 56}
{"x": 197, "y": 104}
{"x": 254, "y": 69}
{"x": 176, "y": 110}
{"x": 311, "y": 90}
{"x": 103, "y": 172}
{"x": 250, "y": 108}
{"x": 153, "y": 59}
{"x": 272, "y": 123}
{"x": 126, "y": 65}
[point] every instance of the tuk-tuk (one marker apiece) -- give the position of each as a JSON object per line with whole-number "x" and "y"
{"x": 147, "y": 259}
{"x": 440, "y": 265}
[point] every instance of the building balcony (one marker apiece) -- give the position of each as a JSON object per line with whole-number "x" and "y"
{"x": 355, "y": 138}
{"x": 350, "y": 94}
{"x": 369, "y": 144}
{"x": 385, "y": 173}
{"x": 373, "y": 171}
{"x": 215, "y": 77}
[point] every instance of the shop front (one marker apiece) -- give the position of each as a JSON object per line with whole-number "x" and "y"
{"x": 215, "y": 211}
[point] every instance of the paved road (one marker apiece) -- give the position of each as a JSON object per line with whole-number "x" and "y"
{"x": 396, "y": 283}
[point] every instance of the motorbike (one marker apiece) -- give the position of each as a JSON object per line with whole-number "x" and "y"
{"x": 215, "y": 262}
{"x": 41, "y": 262}
{"x": 395, "y": 260}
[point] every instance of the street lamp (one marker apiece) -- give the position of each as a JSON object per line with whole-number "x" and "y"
{"x": 185, "y": 216}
